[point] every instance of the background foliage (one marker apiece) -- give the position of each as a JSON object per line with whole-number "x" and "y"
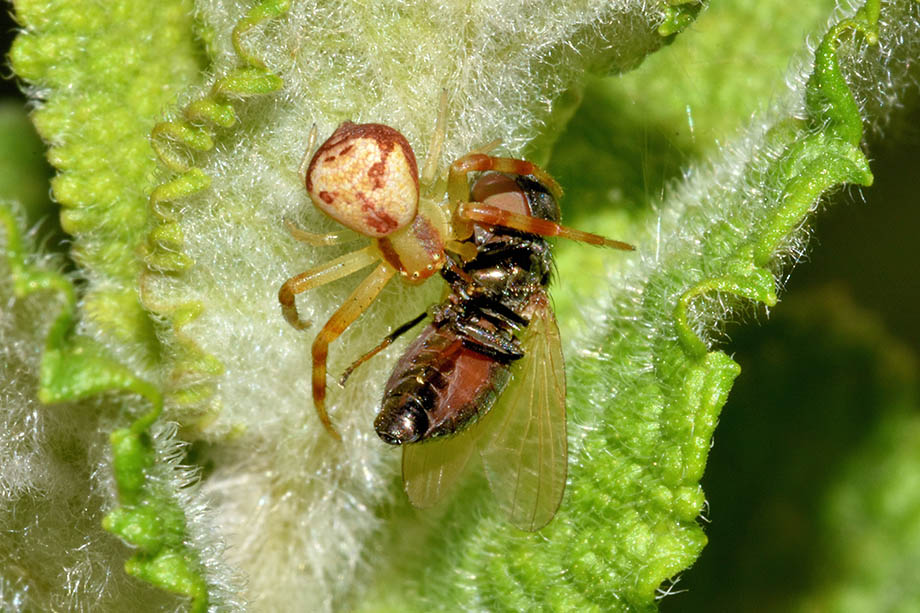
{"x": 173, "y": 157}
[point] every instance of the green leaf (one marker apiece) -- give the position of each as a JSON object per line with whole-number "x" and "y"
{"x": 216, "y": 257}
{"x": 100, "y": 97}
{"x": 822, "y": 379}
{"x": 55, "y": 476}
{"x": 186, "y": 211}
{"x": 97, "y": 105}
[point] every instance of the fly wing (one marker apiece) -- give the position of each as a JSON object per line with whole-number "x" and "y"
{"x": 470, "y": 384}
{"x": 523, "y": 445}
{"x": 432, "y": 469}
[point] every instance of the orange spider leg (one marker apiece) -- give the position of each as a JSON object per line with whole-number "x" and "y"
{"x": 325, "y": 273}
{"x": 354, "y": 305}
{"x": 458, "y": 187}
{"x": 494, "y": 216}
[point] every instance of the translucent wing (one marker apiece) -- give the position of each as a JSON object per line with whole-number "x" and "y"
{"x": 523, "y": 445}
{"x": 432, "y": 469}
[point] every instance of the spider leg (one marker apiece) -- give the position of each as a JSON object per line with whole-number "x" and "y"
{"x": 494, "y": 216}
{"x": 458, "y": 186}
{"x": 307, "y": 155}
{"x": 352, "y": 308}
{"x": 467, "y": 251}
{"x": 437, "y": 142}
{"x": 325, "y": 273}
{"x": 311, "y": 238}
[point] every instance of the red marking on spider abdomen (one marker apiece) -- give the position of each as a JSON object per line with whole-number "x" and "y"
{"x": 374, "y": 217}
{"x": 376, "y": 173}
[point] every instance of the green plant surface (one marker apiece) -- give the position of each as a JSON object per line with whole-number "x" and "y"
{"x": 23, "y": 172}
{"x": 634, "y": 135}
{"x": 843, "y": 530}
{"x": 99, "y": 103}
{"x": 99, "y": 98}
{"x": 176, "y": 143}
{"x": 55, "y": 554}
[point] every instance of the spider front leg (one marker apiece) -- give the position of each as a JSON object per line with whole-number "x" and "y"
{"x": 483, "y": 213}
{"x": 458, "y": 186}
{"x": 354, "y": 305}
{"x": 494, "y": 216}
{"x": 437, "y": 143}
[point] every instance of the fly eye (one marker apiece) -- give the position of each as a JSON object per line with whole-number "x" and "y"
{"x": 405, "y": 426}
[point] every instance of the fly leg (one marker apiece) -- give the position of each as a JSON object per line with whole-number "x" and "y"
{"x": 386, "y": 342}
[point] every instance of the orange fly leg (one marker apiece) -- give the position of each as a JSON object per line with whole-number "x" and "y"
{"x": 494, "y": 216}
{"x": 354, "y": 305}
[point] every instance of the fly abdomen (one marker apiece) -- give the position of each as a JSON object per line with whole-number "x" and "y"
{"x": 438, "y": 386}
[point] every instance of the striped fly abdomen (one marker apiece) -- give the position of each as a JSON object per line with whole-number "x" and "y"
{"x": 437, "y": 388}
